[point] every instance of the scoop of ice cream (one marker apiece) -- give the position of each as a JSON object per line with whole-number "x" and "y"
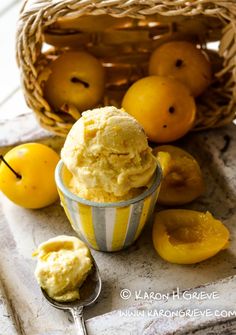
{"x": 63, "y": 264}
{"x": 99, "y": 195}
{"x": 108, "y": 154}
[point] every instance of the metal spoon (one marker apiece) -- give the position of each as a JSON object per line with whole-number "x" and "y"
{"x": 89, "y": 292}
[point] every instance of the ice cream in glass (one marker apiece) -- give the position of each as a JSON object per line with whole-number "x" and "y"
{"x": 108, "y": 155}
{"x": 108, "y": 178}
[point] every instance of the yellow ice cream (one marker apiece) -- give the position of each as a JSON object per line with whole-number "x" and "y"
{"x": 108, "y": 155}
{"x": 63, "y": 264}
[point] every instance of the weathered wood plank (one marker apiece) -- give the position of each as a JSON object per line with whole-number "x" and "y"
{"x": 144, "y": 321}
{"x": 6, "y": 316}
{"x": 25, "y": 129}
{"x": 18, "y": 124}
{"x": 14, "y": 107}
{"x": 21, "y": 129}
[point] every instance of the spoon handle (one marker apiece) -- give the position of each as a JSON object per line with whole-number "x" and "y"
{"x": 77, "y": 313}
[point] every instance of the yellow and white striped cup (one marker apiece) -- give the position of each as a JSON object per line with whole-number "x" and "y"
{"x": 109, "y": 226}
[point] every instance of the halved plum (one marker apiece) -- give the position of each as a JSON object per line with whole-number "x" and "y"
{"x": 183, "y": 181}
{"x": 186, "y": 237}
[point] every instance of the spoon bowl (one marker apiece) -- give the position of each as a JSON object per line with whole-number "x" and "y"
{"x": 89, "y": 293}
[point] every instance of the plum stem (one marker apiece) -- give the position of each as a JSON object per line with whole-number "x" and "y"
{"x": 179, "y": 63}
{"x": 5, "y": 162}
{"x": 77, "y": 80}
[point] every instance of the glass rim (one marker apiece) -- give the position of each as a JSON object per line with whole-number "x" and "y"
{"x": 64, "y": 189}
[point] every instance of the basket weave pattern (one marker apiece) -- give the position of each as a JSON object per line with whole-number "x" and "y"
{"x": 128, "y": 48}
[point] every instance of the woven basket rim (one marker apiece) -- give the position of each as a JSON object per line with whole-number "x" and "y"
{"x": 37, "y": 14}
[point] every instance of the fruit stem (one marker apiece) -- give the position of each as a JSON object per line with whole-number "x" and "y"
{"x": 179, "y": 63}
{"x": 5, "y": 162}
{"x": 80, "y": 81}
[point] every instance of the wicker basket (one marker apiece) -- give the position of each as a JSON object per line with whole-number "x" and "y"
{"x": 123, "y": 33}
